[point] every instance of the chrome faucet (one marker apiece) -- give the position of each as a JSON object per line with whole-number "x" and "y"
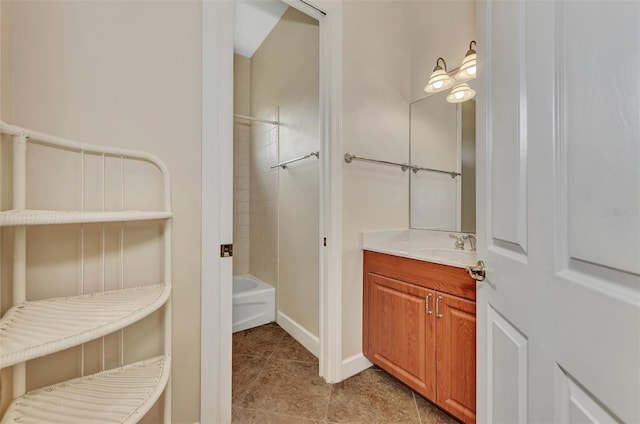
{"x": 459, "y": 240}
{"x": 472, "y": 240}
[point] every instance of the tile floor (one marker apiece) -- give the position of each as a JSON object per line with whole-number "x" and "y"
{"x": 275, "y": 381}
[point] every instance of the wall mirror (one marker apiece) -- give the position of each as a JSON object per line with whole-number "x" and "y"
{"x": 443, "y": 152}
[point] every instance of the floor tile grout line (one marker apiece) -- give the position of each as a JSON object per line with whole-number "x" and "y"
{"x": 278, "y": 413}
{"x": 302, "y": 362}
{"x": 326, "y": 412}
{"x": 247, "y": 356}
{"x": 270, "y": 359}
{"x": 275, "y": 347}
{"x": 252, "y": 382}
{"x": 285, "y": 334}
{"x": 264, "y": 364}
{"x": 415, "y": 402}
{"x": 297, "y": 360}
{"x": 296, "y": 341}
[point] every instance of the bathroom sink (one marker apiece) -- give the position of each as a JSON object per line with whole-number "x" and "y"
{"x": 462, "y": 256}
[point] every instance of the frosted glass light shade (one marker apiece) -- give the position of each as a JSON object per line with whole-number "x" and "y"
{"x": 461, "y": 93}
{"x": 467, "y": 70}
{"x": 439, "y": 80}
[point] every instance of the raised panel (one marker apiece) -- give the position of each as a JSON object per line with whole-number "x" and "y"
{"x": 507, "y": 370}
{"x": 507, "y": 133}
{"x": 401, "y": 333}
{"x": 575, "y": 404}
{"x": 600, "y": 115}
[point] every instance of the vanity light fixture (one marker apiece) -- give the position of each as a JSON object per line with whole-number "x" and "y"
{"x": 440, "y": 79}
{"x": 467, "y": 70}
{"x": 461, "y": 93}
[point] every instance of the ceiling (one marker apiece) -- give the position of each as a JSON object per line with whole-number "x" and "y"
{"x": 254, "y": 21}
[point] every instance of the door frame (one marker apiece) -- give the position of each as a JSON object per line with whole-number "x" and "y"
{"x": 217, "y": 198}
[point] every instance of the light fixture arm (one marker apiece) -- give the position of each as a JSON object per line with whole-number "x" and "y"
{"x": 444, "y": 67}
{"x": 439, "y": 80}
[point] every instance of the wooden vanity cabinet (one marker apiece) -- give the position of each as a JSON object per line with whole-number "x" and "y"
{"x": 419, "y": 325}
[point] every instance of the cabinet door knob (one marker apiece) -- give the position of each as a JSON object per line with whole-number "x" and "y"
{"x": 438, "y": 314}
{"x": 427, "y": 300}
{"x": 477, "y": 272}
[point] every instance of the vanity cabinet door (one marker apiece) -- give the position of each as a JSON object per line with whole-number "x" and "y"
{"x": 400, "y": 336}
{"x": 456, "y": 356}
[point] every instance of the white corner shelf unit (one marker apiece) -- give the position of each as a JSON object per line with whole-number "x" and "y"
{"x": 32, "y": 329}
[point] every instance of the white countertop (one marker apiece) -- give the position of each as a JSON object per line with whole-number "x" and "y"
{"x": 423, "y": 245}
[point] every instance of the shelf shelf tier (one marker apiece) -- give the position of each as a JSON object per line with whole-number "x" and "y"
{"x": 33, "y": 329}
{"x": 29, "y": 217}
{"x": 121, "y": 395}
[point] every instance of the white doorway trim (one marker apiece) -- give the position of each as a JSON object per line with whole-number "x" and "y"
{"x": 331, "y": 189}
{"x": 217, "y": 210}
{"x": 217, "y": 198}
{"x": 329, "y": 16}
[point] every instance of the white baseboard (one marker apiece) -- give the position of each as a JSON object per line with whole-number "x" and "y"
{"x": 350, "y": 366}
{"x": 298, "y": 332}
{"x": 354, "y": 364}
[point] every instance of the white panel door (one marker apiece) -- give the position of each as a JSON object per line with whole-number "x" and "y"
{"x": 558, "y": 196}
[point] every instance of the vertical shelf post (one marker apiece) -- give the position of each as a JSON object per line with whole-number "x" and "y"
{"x": 19, "y": 245}
{"x": 167, "y": 325}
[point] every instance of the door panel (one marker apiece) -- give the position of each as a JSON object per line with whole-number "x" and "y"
{"x": 401, "y": 334}
{"x": 509, "y": 143}
{"x": 575, "y": 405}
{"x": 601, "y": 130}
{"x": 570, "y": 299}
{"x": 507, "y": 359}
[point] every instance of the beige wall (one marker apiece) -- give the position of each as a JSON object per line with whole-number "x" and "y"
{"x": 375, "y": 124}
{"x": 284, "y": 74}
{"x": 241, "y": 85}
{"x": 6, "y": 100}
{"x": 5, "y": 174}
{"x": 123, "y": 74}
{"x": 241, "y": 138}
{"x": 263, "y": 199}
{"x": 5, "y": 60}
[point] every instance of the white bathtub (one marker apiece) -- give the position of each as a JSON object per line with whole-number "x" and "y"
{"x": 254, "y": 302}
